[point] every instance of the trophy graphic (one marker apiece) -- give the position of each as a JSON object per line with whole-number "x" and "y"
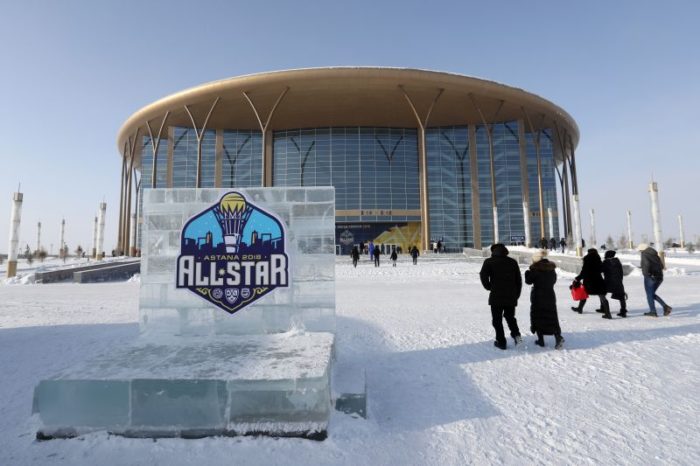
{"x": 232, "y": 214}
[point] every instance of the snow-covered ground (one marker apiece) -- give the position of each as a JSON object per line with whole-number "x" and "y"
{"x": 622, "y": 392}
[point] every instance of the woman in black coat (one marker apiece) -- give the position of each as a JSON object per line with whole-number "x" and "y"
{"x": 543, "y": 302}
{"x": 612, "y": 274}
{"x": 592, "y": 276}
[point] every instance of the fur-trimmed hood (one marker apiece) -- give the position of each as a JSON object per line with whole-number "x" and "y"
{"x": 543, "y": 265}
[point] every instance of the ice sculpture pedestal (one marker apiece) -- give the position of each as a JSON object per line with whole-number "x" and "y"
{"x": 197, "y": 370}
{"x": 269, "y": 384}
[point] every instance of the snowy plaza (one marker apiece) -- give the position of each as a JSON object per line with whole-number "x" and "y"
{"x": 620, "y": 392}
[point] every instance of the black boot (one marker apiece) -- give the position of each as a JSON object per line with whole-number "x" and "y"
{"x": 540, "y": 340}
{"x": 560, "y": 342}
{"x": 575, "y": 309}
{"x": 500, "y": 344}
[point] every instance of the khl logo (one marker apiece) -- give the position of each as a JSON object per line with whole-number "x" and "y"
{"x": 233, "y": 253}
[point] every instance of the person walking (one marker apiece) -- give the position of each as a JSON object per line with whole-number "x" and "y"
{"x": 393, "y": 258}
{"x": 543, "y": 243}
{"x": 544, "y": 319}
{"x": 612, "y": 275}
{"x": 371, "y": 249}
{"x": 355, "y": 253}
{"x": 500, "y": 275}
{"x": 653, "y": 272}
{"x": 414, "y": 255}
{"x": 562, "y": 243}
{"x": 552, "y": 244}
{"x": 376, "y": 255}
{"x": 591, "y": 275}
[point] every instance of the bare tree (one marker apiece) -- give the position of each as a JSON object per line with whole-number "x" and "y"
{"x": 622, "y": 242}
{"x": 609, "y": 242}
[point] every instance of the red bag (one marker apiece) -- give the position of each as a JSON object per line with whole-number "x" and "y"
{"x": 578, "y": 293}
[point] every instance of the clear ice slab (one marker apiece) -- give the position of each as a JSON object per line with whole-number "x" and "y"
{"x": 276, "y": 384}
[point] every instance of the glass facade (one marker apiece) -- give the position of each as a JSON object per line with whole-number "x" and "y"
{"x": 147, "y": 163}
{"x": 549, "y": 190}
{"x": 376, "y": 177}
{"x": 241, "y": 161}
{"x": 374, "y": 170}
{"x": 185, "y": 158}
{"x": 449, "y": 186}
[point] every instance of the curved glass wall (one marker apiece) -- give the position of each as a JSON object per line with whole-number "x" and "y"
{"x": 147, "y": 163}
{"x": 549, "y": 190}
{"x": 185, "y": 158}
{"x": 241, "y": 159}
{"x": 374, "y": 170}
{"x": 509, "y": 194}
{"x": 449, "y": 186}
{"x": 375, "y": 174}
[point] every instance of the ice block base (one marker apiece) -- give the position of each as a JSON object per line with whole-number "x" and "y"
{"x": 277, "y": 384}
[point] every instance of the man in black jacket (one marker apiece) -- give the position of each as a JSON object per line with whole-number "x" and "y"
{"x": 612, "y": 275}
{"x": 501, "y": 276}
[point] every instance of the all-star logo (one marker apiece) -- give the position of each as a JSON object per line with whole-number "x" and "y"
{"x": 233, "y": 253}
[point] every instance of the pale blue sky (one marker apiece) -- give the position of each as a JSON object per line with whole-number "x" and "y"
{"x": 73, "y": 71}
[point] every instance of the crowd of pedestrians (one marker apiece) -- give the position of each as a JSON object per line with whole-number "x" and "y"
{"x": 375, "y": 251}
{"x": 500, "y": 275}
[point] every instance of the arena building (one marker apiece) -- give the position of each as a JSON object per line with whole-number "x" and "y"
{"x": 415, "y": 156}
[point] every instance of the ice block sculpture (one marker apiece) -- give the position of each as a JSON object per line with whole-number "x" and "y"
{"x": 197, "y": 370}
{"x": 309, "y": 304}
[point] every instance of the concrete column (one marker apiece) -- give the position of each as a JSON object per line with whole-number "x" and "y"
{"x": 474, "y": 177}
{"x": 656, "y": 218}
{"x": 132, "y": 234}
{"x": 550, "y": 218}
{"x": 268, "y": 157}
{"x": 593, "y": 238}
{"x": 219, "y": 157}
{"x": 577, "y": 225}
{"x": 15, "y": 219}
{"x": 93, "y": 254}
{"x": 524, "y": 183}
{"x": 423, "y": 188}
{"x": 38, "y": 237}
{"x": 630, "y": 241}
{"x": 526, "y": 218}
{"x": 63, "y": 237}
{"x": 101, "y": 230}
{"x": 681, "y": 233}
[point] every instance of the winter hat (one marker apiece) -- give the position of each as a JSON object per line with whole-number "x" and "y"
{"x": 642, "y": 246}
{"x": 539, "y": 255}
{"x": 499, "y": 249}
{"x": 609, "y": 254}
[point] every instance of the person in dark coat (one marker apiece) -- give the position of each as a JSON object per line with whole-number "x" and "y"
{"x": 653, "y": 271}
{"x": 393, "y": 258}
{"x": 562, "y": 243}
{"x": 414, "y": 255}
{"x": 500, "y": 275}
{"x": 376, "y": 254}
{"x": 592, "y": 276}
{"x": 612, "y": 275}
{"x": 544, "y": 319}
{"x": 552, "y": 244}
{"x": 355, "y": 254}
{"x": 543, "y": 243}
